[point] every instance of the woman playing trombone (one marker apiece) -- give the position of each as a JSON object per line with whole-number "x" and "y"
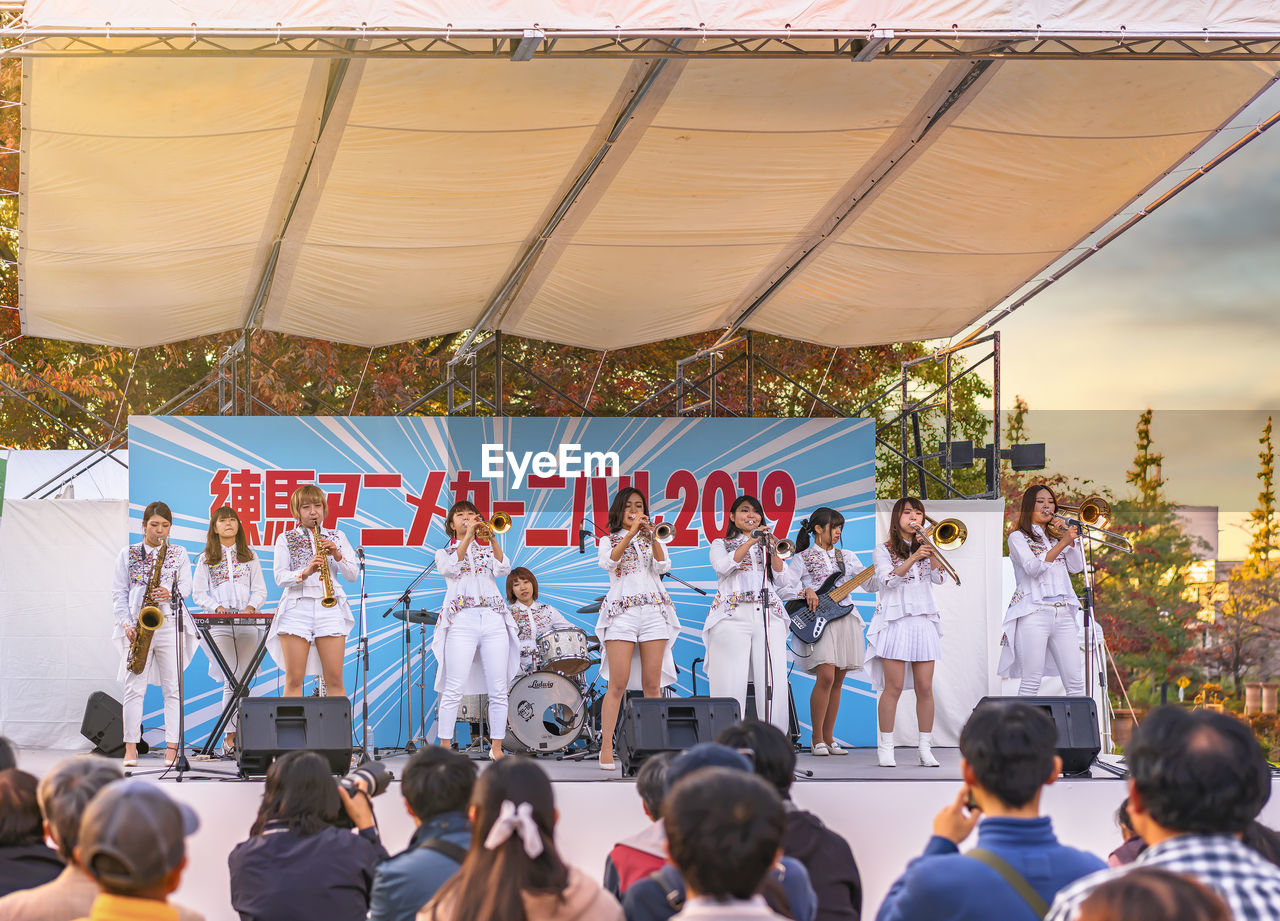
{"x": 745, "y": 633}
{"x": 1042, "y": 622}
{"x": 906, "y": 627}
{"x": 637, "y": 617}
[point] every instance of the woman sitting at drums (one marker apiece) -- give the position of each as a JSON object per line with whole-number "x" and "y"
{"x": 533, "y": 618}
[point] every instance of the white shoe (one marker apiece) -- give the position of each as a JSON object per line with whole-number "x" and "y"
{"x": 837, "y": 749}
{"x": 926, "y": 751}
{"x": 884, "y": 749}
{"x": 820, "y": 749}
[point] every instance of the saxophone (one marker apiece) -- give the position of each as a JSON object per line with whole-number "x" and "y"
{"x": 326, "y": 578}
{"x": 150, "y": 617}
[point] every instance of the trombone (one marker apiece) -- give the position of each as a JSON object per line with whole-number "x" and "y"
{"x": 947, "y": 534}
{"x": 500, "y": 523}
{"x": 1093, "y": 515}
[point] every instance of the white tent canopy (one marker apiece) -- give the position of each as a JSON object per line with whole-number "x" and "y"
{"x": 593, "y": 199}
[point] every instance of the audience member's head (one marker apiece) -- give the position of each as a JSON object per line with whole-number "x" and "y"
{"x": 1009, "y": 752}
{"x": 133, "y": 840}
{"x": 1148, "y": 894}
{"x": 437, "y": 780}
{"x": 65, "y": 793}
{"x": 705, "y": 755}
{"x": 772, "y": 751}
{"x": 300, "y": 794}
{"x": 7, "y": 757}
{"x": 1123, "y": 821}
{"x": 513, "y": 814}
{"x": 724, "y": 831}
{"x": 651, "y": 783}
{"x": 1195, "y": 771}
{"x": 1265, "y": 841}
{"x": 20, "y": 824}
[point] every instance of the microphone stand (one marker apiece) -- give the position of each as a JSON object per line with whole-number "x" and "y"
{"x": 406, "y": 599}
{"x": 362, "y": 656}
{"x": 766, "y": 554}
{"x": 180, "y": 766}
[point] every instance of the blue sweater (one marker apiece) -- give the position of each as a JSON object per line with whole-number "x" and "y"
{"x": 407, "y": 881}
{"x": 944, "y": 885}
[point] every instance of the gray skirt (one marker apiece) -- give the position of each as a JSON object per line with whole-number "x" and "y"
{"x": 840, "y": 644}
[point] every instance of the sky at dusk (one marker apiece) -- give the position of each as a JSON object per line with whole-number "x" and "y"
{"x": 1181, "y": 314}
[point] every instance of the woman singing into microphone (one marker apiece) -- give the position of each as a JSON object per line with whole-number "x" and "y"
{"x": 229, "y": 578}
{"x": 745, "y": 638}
{"x": 906, "y": 627}
{"x": 475, "y": 624}
{"x": 637, "y": 617}
{"x": 1043, "y": 620}
{"x": 302, "y": 617}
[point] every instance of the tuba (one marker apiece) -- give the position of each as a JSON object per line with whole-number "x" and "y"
{"x": 326, "y": 577}
{"x": 150, "y": 617}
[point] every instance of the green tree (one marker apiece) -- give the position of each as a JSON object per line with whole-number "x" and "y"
{"x": 1015, "y": 431}
{"x": 1144, "y": 600}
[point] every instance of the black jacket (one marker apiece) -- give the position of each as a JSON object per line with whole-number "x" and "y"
{"x": 27, "y": 867}
{"x": 281, "y": 876}
{"x": 829, "y": 860}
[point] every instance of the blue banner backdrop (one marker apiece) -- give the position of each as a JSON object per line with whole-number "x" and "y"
{"x": 390, "y": 481}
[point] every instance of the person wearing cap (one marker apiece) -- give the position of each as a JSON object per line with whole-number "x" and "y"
{"x": 661, "y": 894}
{"x": 133, "y": 843}
{"x": 64, "y": 794}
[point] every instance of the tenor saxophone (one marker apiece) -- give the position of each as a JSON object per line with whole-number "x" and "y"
{"x": 326, "y": 578}
{"x": 150, "y": 618}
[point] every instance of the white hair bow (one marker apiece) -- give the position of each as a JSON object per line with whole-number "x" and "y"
{"x": 519, "y": 819}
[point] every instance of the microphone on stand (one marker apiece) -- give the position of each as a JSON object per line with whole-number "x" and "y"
{"x": 583, "y": 534}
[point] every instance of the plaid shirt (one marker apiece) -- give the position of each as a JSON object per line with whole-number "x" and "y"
{"x": 1250, "y": 884}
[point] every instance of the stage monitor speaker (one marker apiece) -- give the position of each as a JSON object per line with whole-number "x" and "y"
{"x": 267, "y": 727}
{"x": 1079, "y": 738}
{"x": 649, "y": 725}
{"x": 793, "y": 721}
{"x": 103, "y": 725}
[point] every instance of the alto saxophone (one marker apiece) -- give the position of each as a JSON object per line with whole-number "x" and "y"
{"x": 150, "y": 617}
{"x": 326, "y": 578}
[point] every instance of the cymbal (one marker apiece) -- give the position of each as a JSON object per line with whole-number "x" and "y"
{"x": 416, "y": 616}
{"x": 593, "y": 608}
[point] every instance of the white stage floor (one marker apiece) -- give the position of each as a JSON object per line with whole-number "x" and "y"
{"x": 886, "y": 814}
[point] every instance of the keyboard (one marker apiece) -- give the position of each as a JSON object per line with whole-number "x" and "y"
{"x": 234, "y": 619}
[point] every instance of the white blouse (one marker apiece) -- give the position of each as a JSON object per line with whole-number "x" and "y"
{"x": 229, "y": 583}
{"x": 910, "y": 594}
{"x": 531, "y": 622}
{"x": 472, "y": 581}
{"x": 129, "y": 582}
{"x": 813, "y": 566}
{"x": 740, "y": 583}
{"x": 294, "y": 550}
{"x": 1039, "y": 582}
{"x": 635, "y": 580}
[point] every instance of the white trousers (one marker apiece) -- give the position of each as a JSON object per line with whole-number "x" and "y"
{"x": 237, "y": 645}
{"x": 472, "y": 629}
{"x": 164, "y": 655}
{"x": 1049, "y": 631}
{"x": 736, "y": 653}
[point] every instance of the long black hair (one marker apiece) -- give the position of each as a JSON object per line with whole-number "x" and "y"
{"x": 619, "y": 507}
{"x": 820, "y": 518}
{"x": 732, "y": 530}
{"x": 300, "y": 793}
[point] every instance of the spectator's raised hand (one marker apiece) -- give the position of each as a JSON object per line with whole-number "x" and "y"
{"x": 957, "y": 819}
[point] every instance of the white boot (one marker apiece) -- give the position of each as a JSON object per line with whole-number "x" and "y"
{"x": 926, "y": 750}
{"x": 884, "y": 749}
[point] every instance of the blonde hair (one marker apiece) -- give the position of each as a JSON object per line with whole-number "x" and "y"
{"x": 308, "y": 493}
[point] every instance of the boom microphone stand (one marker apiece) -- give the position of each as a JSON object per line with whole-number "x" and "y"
{"x": 362, "y": 656}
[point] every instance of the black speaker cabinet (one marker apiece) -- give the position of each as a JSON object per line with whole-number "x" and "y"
{"x": 648, "y": 725}
{"x": 793, "y": 721}
{"x": 270, "y": 726}
{"x": 1079, "y": 738}
{"x": 103, "y": 725}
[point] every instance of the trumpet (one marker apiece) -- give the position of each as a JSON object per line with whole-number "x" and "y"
{"x": 947, "y": 534}
{"x": 781, "y": 548}
{"x": 500, "y": 523}
{"x": 664, "y": 533}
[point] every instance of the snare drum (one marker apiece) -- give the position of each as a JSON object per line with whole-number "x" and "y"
{"x": 564, "y": 650}
{"x": 545, "y": 713}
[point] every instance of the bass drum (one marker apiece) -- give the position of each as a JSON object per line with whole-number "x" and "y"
{"x": 545, "y": 713}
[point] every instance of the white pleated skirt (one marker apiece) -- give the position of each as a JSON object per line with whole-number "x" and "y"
{"x": 908, "y": 639}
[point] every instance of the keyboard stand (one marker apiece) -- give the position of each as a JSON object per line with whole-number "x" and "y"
{"x": 239, "y": 688}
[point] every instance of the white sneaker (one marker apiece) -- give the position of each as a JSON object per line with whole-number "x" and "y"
{"x": 884, "y": 749}
{"x": 926, "y": 751}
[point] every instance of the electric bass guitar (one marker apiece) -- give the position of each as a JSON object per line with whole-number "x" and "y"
{"x": 808, "y": 625}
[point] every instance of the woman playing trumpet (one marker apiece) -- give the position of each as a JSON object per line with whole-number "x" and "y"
{"x": 906, "y": 627}
{"x": 1042, "y": 622}
{"x": 637, "y": 617}
{"x": 302, "y": 617}
{"x": 745, "y": 633}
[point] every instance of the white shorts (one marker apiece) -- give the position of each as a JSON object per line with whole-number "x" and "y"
{"x": 308, "y": 618}
{"x": 639, "y": 625}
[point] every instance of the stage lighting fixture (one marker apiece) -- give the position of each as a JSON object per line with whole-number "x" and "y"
{"x": 1026, "y": 457}
{"x": 961, "y": 454}
{"x": 529, "y": 45}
